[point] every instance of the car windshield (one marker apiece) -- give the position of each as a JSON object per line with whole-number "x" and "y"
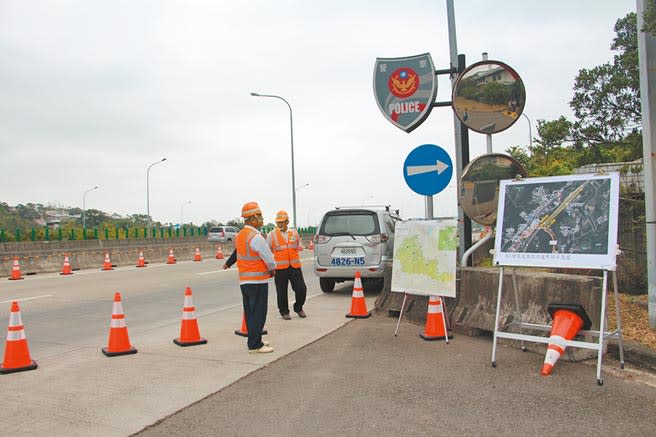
{"x": 350, "y": 224}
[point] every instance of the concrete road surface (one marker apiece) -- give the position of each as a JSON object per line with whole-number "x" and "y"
{"x": 362, "y": 381}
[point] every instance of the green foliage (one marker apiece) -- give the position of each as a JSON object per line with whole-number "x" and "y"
{"x": 649, "y": 17}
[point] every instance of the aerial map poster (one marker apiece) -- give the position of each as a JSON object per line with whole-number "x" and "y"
{"x": 425, "y": 257}
{"x": 558, "y": 221}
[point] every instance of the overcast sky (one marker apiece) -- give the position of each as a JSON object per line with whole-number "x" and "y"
{"x": 93, "y": 92}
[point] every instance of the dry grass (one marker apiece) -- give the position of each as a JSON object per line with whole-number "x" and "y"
{"x": 635, "y": 319}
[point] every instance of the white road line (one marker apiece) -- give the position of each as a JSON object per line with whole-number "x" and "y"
{"x": 26, "y": 298}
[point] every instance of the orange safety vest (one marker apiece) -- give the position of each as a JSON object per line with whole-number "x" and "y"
{"x": 285, "y": 253}
{"x": 250, "y": 264}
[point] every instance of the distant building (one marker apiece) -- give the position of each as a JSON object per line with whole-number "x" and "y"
{"x": 631, "y": 174}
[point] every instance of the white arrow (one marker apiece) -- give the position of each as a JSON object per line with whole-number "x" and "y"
{"x": 439, "y": 167}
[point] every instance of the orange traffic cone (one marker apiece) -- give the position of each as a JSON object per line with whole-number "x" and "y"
{"x": 244, "y": 329}
{"x": 171, "y": 258}
{"x": 189, "y": 334}
{"x": 311, "y": 245}
{"x": 219, "y": 253}
{"x": 119, "y": 342}
{"x": 197, "y": 256}
{"x": 358, "y": 304}
{"x": 568, "y": 320}
{"x": 141, "y": 262}
{"x": 107, "y": 264}
{"x": 66, "y": 269}
{"x": 435, "y": 323}
{"x": 15, "y": 271}
{"x": 17, "y": 354}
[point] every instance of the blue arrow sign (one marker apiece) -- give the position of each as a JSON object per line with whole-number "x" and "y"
{"x": 428, "y": 169}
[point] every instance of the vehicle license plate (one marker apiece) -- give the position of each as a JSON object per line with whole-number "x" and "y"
{"x": 347, "y": 256}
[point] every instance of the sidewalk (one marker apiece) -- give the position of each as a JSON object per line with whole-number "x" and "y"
{"x": 362, "y": 380}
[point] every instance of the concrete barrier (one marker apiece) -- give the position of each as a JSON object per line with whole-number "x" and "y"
{"x": 43, "y": 256}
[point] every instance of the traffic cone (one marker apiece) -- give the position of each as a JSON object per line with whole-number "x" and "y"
{"x": 66, "y": 269}
{"x": 358, "y": 304}
{"x": 311, "y": 245}
{"x": 219, "y": 253}
{"x": 568, "y": 320}
{"x": 17, "y": 354}
{"x": 119, "y": 342}
{"x": 141, "y": 262}
{"x": 189, "y": 334}
{"x": 244, "y": 329}
{"x": 107, "y": 264}
{"x": 15, "y": 271}
{"x": 171, "y": 258}
{"x": 435, "y": 323}
{"x": 197, "y": 256}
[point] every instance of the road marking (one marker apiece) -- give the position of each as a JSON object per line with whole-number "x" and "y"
{"x": 216, "y": 271}
{"x": 26, "y": 298}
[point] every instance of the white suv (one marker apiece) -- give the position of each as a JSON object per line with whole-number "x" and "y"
{"x": 222, "y": 234}
{"x": 352, "y": 239}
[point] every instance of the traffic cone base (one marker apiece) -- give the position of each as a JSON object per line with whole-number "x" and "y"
{"x": 244, "y": 329}
{"x": 130, "y": 351}
{"x": 189, "y": 343}
{"x": 17, "y": 354}
{"x": 358, "y": 304}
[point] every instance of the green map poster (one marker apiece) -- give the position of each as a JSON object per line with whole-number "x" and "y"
{"x": 425, "y": 257}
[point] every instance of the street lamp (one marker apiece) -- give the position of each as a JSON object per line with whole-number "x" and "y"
{"x": 182, "y": 212}
{"x": 148, "y": 192}
{"x": 291, "y": 128}
{"x": 84, "y": 206}
{"x": 302, "y": 186}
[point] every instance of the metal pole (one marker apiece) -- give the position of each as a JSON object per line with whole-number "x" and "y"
{"x": 530, "y": 133}
{"x": 291, "y": 128}
{"x": 84, "y": 206}
{"x": 453, "y": 56}
{"x": 647, "y": 66}
{"x": 182, "y": 211}
{"x": 148, "y": 193}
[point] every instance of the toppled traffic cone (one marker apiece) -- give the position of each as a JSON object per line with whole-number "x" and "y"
{"x": 107, "y": 264}
{"x": 66, "y": 269}
{"x": 568, "y": 320}
{"x": 171, "y": 258}
{"x": 244, "y": 329}
{"x": 311, "y": 245}
{"x": 435, "y": 323}
{"x": 141, "y": 261}
{"x": 197, "y": 256}
{"x": 119, "y": 342}
{"x": 17, "y": 354}
{"x": 15, "y": 271}
{"x": 358, "y": 304}
{"x": 219, "y": 253}
{"x": 189, "y": 334}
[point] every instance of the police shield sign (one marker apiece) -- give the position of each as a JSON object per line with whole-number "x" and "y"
{"x": 405, "y": 89}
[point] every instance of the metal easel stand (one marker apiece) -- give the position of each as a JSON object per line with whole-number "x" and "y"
{"x": 602, "y": 334}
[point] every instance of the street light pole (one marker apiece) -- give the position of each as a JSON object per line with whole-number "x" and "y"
{"x": 148, "y": 192}
{"x": 84, "y": 206}
{"x": 530, "y": 134}
{"x": 291, "y": 128}
{"x": 182, "y": 212}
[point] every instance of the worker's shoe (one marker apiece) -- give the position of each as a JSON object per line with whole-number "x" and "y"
{"x": 262, "y": 350}
{"x": 301, "y": 314}
{"x": 266, "y": 342}
{"x": 286, "y": 316}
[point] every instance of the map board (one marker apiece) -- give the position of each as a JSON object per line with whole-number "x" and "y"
{"x": 558, "y": 221}
{"x": 425, "y": 257}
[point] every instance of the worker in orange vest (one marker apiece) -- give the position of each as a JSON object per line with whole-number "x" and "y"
{"x": 256, "y": 265}
{"x": 285, "y": 245}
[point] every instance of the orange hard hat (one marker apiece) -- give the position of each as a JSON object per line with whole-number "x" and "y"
{"x": 282, "y": 216}
{"x": 250, "y": 209}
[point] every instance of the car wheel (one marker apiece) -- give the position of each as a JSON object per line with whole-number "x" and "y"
{"x": 327, "y": 285}
{"x": 374, "y": 285}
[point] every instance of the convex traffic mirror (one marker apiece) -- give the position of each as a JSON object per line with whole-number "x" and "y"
{"x": 478, "y": 192}
{"x": 488, "y": 97}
